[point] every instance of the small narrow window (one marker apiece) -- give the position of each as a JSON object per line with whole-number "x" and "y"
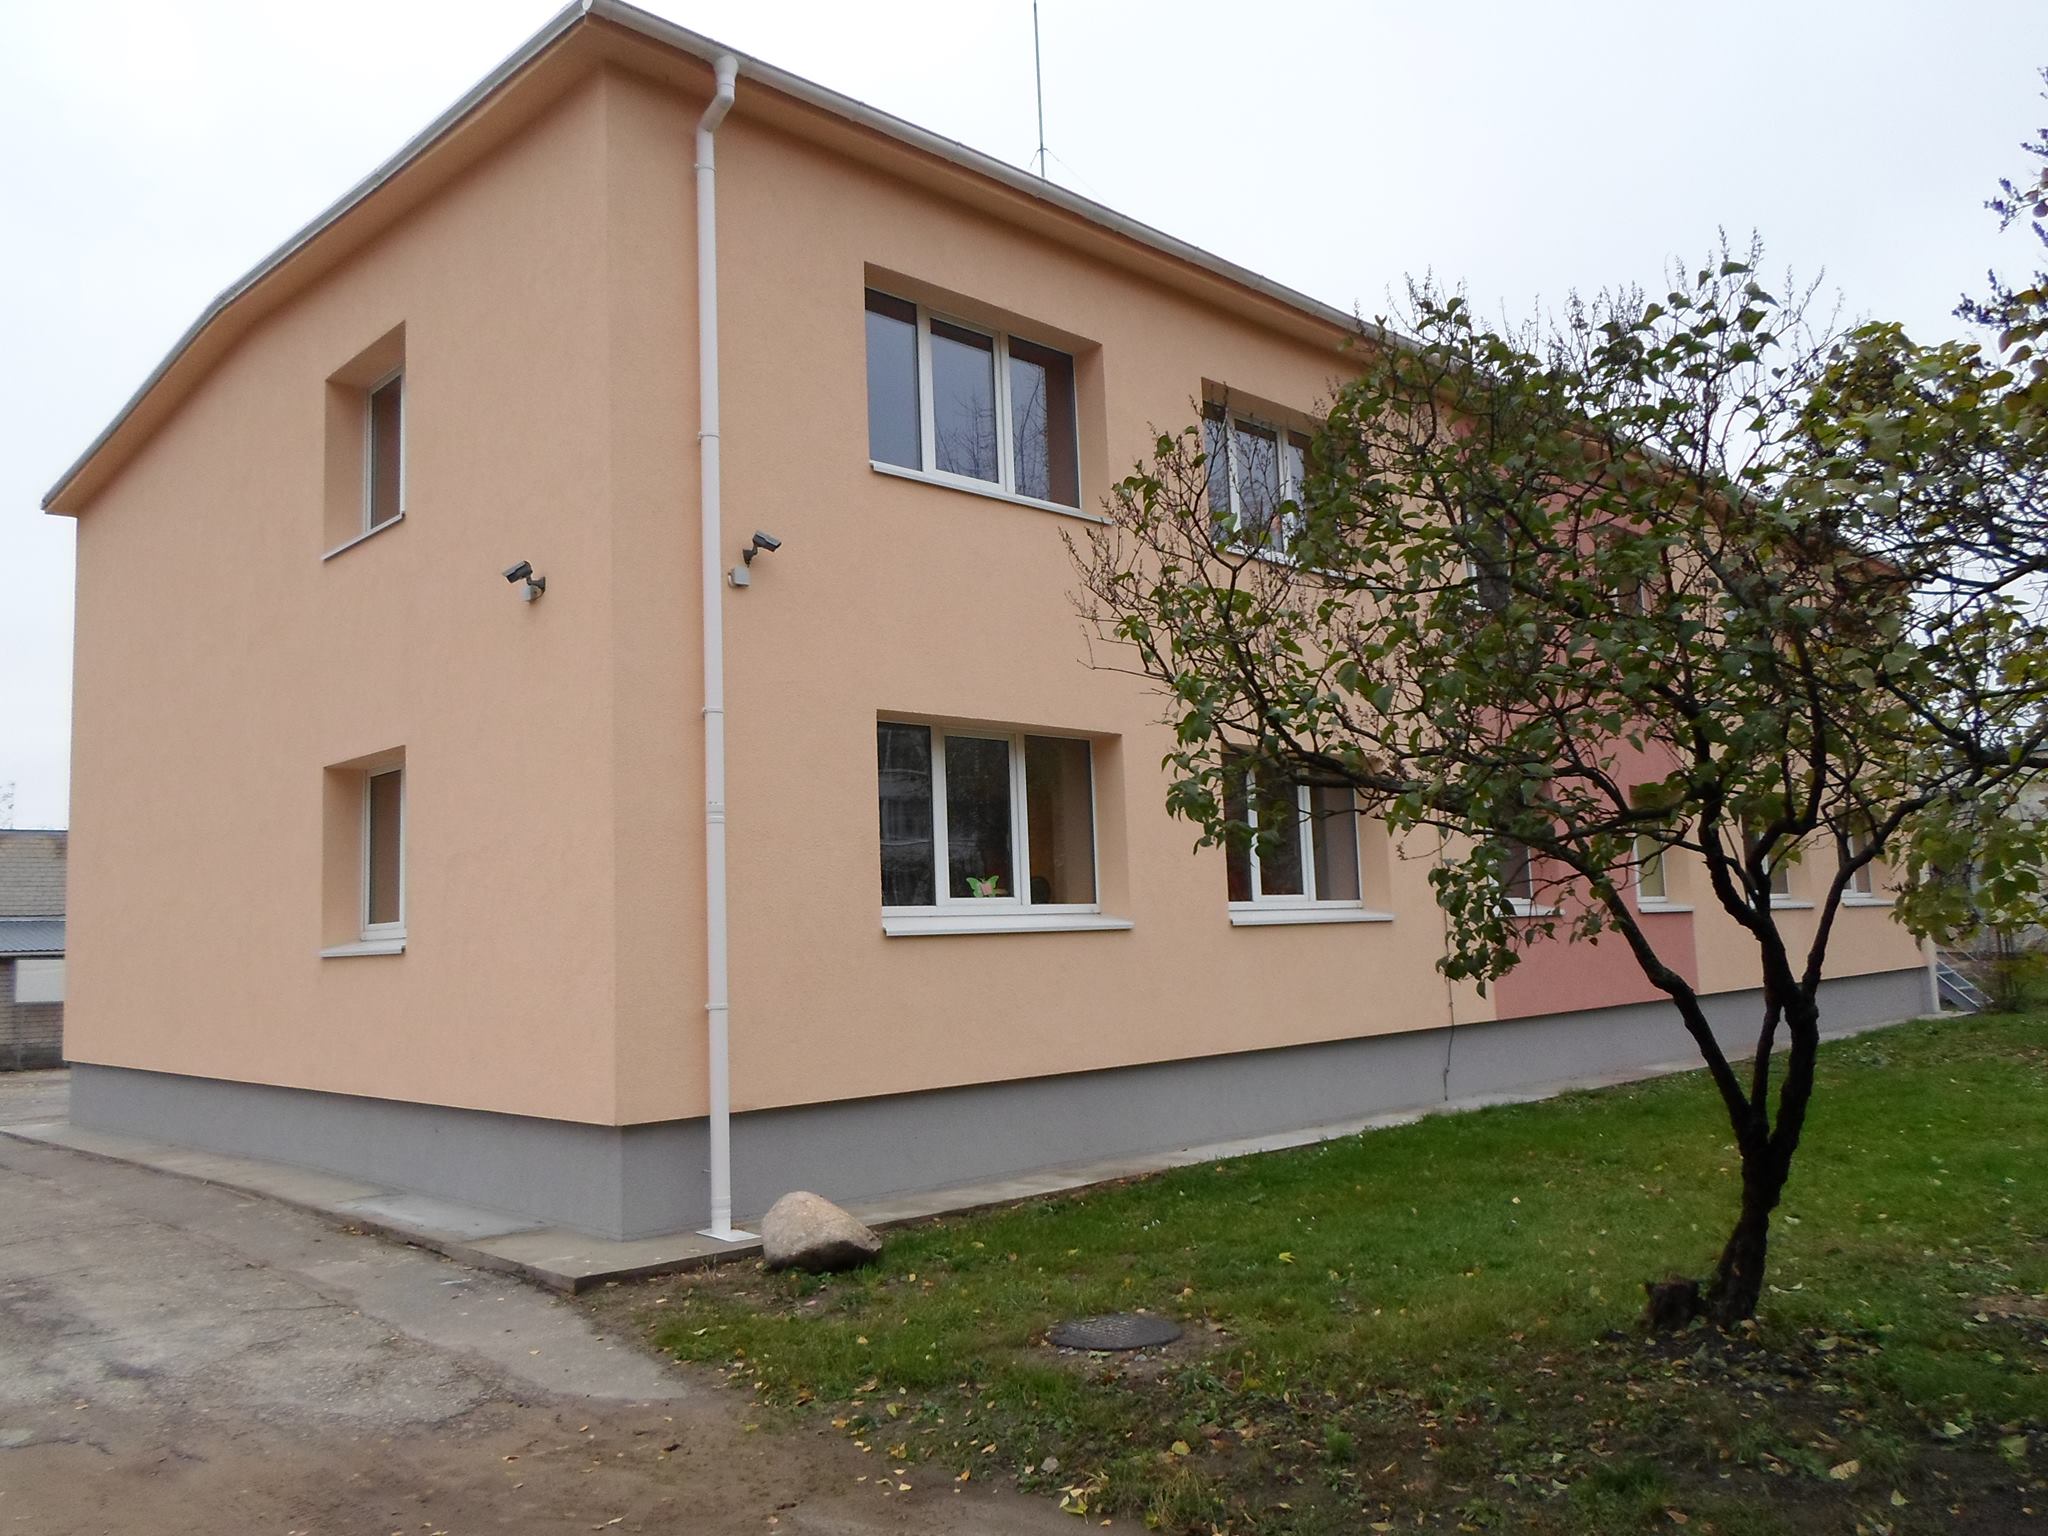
{"x": 1518, "y": 876}
{"x": 976, "y": 406}
{"x": 1042, "y": 398}
{"x": 384, "y": 854}
{"x": 991, "y": 820}
{"x": 1864, "y": 881}
{"x": 904, "y": 764}
{"x": 384, "y": 453}
{"x": 979, "y": 853}
{"x": 894, "y": 434}
{"x": 1333, "y": 841}
{"x": 1650, "y": 887}
{"x": 1060, "y": 806}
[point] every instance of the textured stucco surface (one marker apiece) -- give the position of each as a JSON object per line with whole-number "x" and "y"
{"x": 554, "y": 968}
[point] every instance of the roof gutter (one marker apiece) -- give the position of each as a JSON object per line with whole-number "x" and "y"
{"x": 656, "y": 29}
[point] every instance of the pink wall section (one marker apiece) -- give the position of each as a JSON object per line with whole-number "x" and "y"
{"x": 1558, "y": 977}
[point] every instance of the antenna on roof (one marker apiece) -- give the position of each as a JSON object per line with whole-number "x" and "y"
{"x": 1038, "y": 75}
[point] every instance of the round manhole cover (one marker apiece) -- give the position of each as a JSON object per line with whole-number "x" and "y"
{"x": 1117, "y": 1330}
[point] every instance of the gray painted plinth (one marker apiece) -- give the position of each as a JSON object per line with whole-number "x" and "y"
{"x": 642, "y": 1180}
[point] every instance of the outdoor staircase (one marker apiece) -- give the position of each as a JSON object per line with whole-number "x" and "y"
{"x": 1955, "y": 989}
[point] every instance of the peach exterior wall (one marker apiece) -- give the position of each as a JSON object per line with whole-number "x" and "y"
{"x": 221, "y": 664}
{"x": 555, "y": 859}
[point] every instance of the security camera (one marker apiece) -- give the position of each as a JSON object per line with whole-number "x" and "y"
{"x": 523, "y": 571}
{"x": 767, "y": 541}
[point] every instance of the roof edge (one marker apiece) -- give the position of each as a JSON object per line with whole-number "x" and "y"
{"x": 660, "y": 30}
{"x": 556, "y": 27}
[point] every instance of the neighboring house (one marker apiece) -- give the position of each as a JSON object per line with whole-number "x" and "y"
{"x": 392, "y": 873}
{"x": 31, "y": 949}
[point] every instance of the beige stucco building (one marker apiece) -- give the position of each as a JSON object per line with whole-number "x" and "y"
{"x": 378, "y": 868}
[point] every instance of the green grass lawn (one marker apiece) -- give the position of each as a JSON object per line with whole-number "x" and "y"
{"x": 1436, "y": 1326}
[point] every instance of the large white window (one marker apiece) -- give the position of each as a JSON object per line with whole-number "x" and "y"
{"x": 1304, "y": 852}
{"x": 39, "y": 980}
{"x": 1256, "y": 471}
{"x": 970, "y": 405}
{"x": 384, "y": 855}
{"x": 384, "y": 452}
{"x": 985, "y": 823}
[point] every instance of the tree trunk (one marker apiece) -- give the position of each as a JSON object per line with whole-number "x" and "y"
{"x": 1738, "y": 1283}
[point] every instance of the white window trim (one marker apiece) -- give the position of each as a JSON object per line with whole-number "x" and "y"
{"x": 382, "y": 933}
{"x": 369, "y": 456}
{"x": 366, "y": 947}
{"x": 1661, "y": 902}
{"x": 1290, "y": 484}
{"x": 1522, "y": 906}
{"x": 1015, "y": 913}
{"x": 1247, "y": 915}
{"x": 1306, "y": 907}
{"x": 369, "y": 533}
{"x": 1004, "y": 486}
{"x": 981, "y": 488}
{"x": 907, "y": 923}
{"x": 1867, "y": 894}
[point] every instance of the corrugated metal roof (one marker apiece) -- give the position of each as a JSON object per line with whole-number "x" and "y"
{"x": 31, "y": 935}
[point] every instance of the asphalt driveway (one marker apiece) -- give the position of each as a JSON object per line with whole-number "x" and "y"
{"x": 175, "y": 1357}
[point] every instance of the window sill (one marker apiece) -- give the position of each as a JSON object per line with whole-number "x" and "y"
{"x": 1790, "y": 904}
{"x": 1275, "y": 917}
{"x": 368, "y": 533}
{"x": 1524, "y": 908}
{"x": 1650, "y": 908}
{"x": 910, "y": 925}
{"x": 1853, "y": 899}
{"x": 977, "y": 488}
{"x": 364, "y": 947}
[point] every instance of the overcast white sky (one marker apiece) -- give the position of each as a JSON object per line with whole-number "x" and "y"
{"x": 155, "y": 151}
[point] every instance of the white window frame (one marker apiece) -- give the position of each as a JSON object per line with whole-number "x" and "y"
{"x": 373, "y": 933}
{"x": 1005, "y": 483}
{"x": 1527, "y": 906}
{"x": 41, "y": 971}
{"x": 1645, "y": 898}
{"x": 1015, "y": 911}
{"x": 1862, "y": 890}
{"x": 396, "y": 375}
{"x": 1262, "y": 910}
{"x": 1282, "y": 531}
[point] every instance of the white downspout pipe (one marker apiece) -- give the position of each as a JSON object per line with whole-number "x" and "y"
{"x": 717, "y": 1002}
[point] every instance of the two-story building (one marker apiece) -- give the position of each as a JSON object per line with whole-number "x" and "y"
{"x": 679, "y": 868}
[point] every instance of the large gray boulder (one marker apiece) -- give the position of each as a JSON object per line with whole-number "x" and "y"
{"x": 807, "y": 1231}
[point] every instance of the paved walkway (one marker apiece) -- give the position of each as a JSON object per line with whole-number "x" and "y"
{"x": 177, "y": 1357}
